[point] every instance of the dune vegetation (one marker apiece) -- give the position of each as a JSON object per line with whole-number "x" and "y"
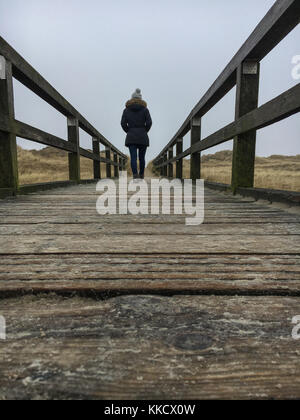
{"x": 277, "y": 172}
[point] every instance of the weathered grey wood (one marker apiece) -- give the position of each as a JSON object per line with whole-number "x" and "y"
{"x": 31, "y": 133}
{"x": 170, "y": 166}
{"x": 116, "y": 169}
{"x": 28, "y": 132}
{"x": 184, "y": 346}
{"x": 150, "y": 348}
{"x": 179, "y": 163}
{"x": 74, "y": 158}
{"x": 149, "y": 244}
{"x": 281, "y": 19}
{"x": 29, "y": 77}
{"x": 8, "y": 144}
{"x": 166, "y": 166}
{"x": 120, "y": 163}
{"x": 108, "y": 165}
{"x": 244, "y": 147}
{"x": 283, "y": 106}
{"x": 96, "y": 164}
{"x": 215, "y": 274}
{"x": 140, "y": 228}
{"x": 161, "y": 168}
{"x": 195, "y": 170}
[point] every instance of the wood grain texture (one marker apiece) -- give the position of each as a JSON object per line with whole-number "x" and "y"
{"x": 145, "y": 307}
{"x": 146, "y": 347}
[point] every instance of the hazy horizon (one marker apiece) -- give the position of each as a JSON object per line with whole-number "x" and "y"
{"x": 97, "y": 52}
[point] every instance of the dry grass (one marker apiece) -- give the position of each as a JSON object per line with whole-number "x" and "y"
{"x": 276, "y": 172}
{"x": 50, "y": 165}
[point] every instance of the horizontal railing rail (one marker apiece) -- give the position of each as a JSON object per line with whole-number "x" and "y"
{"x": 243, "y": 71}
{"x": 12, "y": 65}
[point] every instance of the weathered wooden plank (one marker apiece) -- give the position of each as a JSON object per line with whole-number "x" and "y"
{"x": 146, "y": 347}
{"x": 231, "y": 259}
{"x": 214, "y": 208}
{"x": 149, "y": 244}
{"x": 141, "y": 220}
{"x": 94, "y": 229}
{"x": 157, "y": 286}
{"x": 165, "y": 273}
{"x": 286, "y": 279}
{"x": 90, "y": 209}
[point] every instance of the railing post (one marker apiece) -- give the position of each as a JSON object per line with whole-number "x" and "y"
{"x": 170, "y": 165}
{"x": 179, "y": 150}
{"x": 8, "y": 143}
{"x": 120, "y": 164}
{"x": 161, "y": 169}
{"x": 97, "y": 166}
{"x": 124, "y": 164}
{"x": 108, "y": 165}
{"x": 195, "y": 157}
{"x": 243, "y": 161}
{"x": 166, "y": 166}
{"x": 116, "y": 168}
{"x": 74, "y": 158}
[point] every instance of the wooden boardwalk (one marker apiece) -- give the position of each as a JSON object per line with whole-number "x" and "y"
{"x": 146, "y": 307}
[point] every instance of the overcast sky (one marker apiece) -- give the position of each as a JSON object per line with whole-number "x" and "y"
{"x": 96, "y": 52}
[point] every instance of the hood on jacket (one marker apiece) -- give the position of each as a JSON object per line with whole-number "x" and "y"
{"x": 136, "y": 104}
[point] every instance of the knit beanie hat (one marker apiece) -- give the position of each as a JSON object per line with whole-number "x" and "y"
{"x": 137, "y": 94}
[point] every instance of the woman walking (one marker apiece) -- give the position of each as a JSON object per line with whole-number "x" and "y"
{"x": 137, "y": 122}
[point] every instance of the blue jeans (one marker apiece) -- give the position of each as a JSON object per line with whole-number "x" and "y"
{"x": 133, "y": 148}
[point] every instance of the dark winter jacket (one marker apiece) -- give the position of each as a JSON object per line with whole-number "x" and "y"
{"x": 136, "y": 122}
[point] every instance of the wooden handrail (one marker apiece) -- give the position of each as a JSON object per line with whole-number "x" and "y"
{"x": 14, "y": 66}
{"x": 243, "y": 71}
{"x": 284, "y": 106}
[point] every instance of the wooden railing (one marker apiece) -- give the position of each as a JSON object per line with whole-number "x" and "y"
{"x": 242, "y": 71}
{"x": 12, "y": 65}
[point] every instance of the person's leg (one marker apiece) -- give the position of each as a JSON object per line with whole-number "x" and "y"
{"x": 142, "y": 154}
{"x": 133, "y": 159}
